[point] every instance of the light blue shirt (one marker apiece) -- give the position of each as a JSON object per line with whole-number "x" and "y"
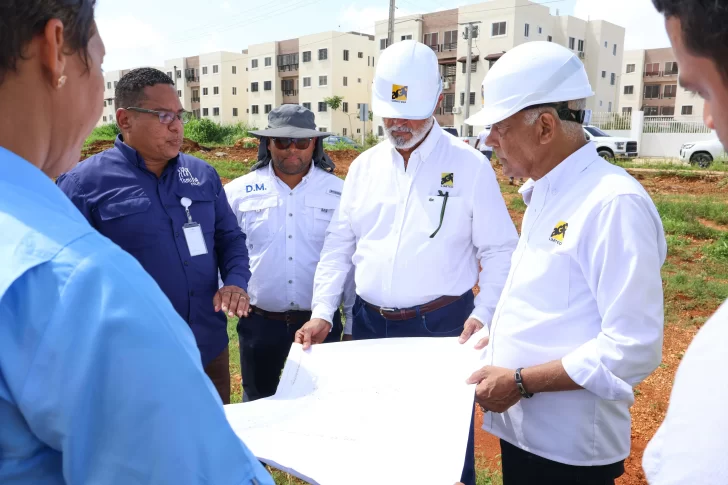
{"x": 100, "y": 379}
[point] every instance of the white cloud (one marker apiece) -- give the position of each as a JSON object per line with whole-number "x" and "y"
{"x": 131, "y": 42}
{"x": 226, "y": 6}
{"x": 645, "y": 27}
{"x": 362, "y": 19}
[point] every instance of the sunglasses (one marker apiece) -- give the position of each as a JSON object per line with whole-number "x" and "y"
{"x": 299, "y": 143}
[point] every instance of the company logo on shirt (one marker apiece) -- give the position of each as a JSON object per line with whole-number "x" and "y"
{"x": 185, "y": 176}
{"x": 447, "y": 179}
{"x": 399, "y": 93}
{"x": 557, "y": 235}
{"x": 254, "y": 188}
{"x": 334, "y": 192}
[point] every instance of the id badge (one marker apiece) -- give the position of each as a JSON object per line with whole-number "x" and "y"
{"x": 195, "y": 239}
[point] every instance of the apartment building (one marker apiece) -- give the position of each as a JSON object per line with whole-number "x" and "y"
{"x": 649, "y": 83}
{"x": 306, "y": 71}
{"x": 111, "y": 79}
{"x": 502, "y": 25}
{"x": 223, "y": 81}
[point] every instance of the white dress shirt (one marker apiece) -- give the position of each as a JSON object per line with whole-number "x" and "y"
{"x": 482, "y": 136}
{"x": 387, "y": 215}
{"x": 584, "y": 288}
{"x": 285, "y": 231}
{"x": 690, "y": 446}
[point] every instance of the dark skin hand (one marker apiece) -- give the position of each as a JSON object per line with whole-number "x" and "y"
{"x": 232, "y": 300}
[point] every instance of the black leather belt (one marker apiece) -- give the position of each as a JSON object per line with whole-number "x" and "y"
{"x": 293, "y": 316}
{"x": 397, "y": 314}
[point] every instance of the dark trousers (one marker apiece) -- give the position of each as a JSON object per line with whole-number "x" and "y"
{"x": 264, "y": 347}
{"x": 523, "y": 468}
{"x": 488, "y": 154}
{"x": 218, "y": 370}
{"x": 445, "y": 322}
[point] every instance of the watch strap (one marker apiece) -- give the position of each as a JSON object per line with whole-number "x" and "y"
{"x": 519, "y": 384}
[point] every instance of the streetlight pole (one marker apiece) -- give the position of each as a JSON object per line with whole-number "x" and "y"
{"x": 469, "y": 32}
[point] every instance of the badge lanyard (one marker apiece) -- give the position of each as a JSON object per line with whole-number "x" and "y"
{"x": 193, "y": 232}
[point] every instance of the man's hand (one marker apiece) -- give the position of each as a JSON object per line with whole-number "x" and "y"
{"x": 313, "y": 332}
{"x": 232, "y": 300}
{"x": 471, "y": 327}
{"x": 496, "y": 390}
{"x": 347, "y": 337}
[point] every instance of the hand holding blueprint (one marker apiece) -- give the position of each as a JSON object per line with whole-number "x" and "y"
{"x": 392, "y": 411}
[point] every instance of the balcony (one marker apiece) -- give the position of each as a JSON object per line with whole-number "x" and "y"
{"x": 290, "y": 92}
{"x": 192, "y": 79}
{"x": 435, "y": 47}
{"x": 288, "y": 67}
{"x": 196, "y": 100}
{"x": 445, "y": 110}
{"x": 453, "y": 46}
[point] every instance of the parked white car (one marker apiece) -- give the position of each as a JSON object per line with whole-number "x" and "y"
{"x": 610, "y": 147}
{"x": 702, "y": 153}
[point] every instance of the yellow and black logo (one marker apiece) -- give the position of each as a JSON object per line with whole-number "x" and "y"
{"x": 399, "y": 93}
{"x": 559, "y": 231}
{"x": 447, "y": 179}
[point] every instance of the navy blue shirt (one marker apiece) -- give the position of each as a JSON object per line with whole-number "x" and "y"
{"x": 141, "y": 213}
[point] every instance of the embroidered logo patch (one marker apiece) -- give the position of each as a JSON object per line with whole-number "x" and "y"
{"x": 399, "y": 93}
{"x": 334, "y": 192}
{"x": 185, "y": 176}
{"x": 557, "y": 235}
{"x": 447, "y": 179}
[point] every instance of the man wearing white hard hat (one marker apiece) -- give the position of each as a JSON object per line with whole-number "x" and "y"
{"x": 418, "y": 213}
{"x": 580, "y": 320}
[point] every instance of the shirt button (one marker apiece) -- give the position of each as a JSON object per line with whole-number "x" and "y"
{"x": 176, "y": 234}
{"x": 290, "y": 282}
{"x": 291, "y": 194}
{"x": 187, "y": 263}
{"x": 290, "y": 258}
{"x": 293, "y": 304}
{"x": 290, "y": 215}
{"x": 290, "y": 236}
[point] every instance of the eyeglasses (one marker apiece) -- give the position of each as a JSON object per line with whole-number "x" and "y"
{"x": 299, "y": 143}
{"x": 165, "y": 117}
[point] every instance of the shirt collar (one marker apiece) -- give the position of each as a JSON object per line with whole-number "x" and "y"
{"x": 133, "y": 156}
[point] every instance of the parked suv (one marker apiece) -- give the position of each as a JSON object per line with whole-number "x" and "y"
{"x": 702, "y": 153}
{"x": 611, "y": 147}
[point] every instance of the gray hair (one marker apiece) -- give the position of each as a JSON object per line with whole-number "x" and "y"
{"x": 573, "y": 131}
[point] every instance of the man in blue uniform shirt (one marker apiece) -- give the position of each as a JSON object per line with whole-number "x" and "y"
{"x": 169, "y": 211}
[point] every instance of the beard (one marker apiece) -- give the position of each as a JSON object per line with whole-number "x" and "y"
{"x": 402, "y": 143}
{"x": 290, "y": 166}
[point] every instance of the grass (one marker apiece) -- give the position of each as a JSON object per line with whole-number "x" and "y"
{"x": 208, "y": 132}
{"x": 677, "y": 166}
{"x": 105, "y": 132}
{"x": 680, "y": 215}
{"x": 340, "y": 145}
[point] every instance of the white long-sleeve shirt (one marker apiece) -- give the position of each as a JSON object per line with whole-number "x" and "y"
{"x": 585, "y": 288}
{"x": 387, "y": 215}
{"x": 285, "y": 231}
{"x": 690, "y": 446}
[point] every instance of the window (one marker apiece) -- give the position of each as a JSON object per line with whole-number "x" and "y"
{"x": 346, "y": 81}
{"x": 448, "y": 103}
{"x": 498, "y": 28}
{"x": 306, "y": 82}
{"x": 407, "y": 37}
{"x": 323, "y": 54}
{"x": 267, "y": 85}
{"x": 627, "y": 111}
{"x": 235, "y": 91}
{"x": 235, "y": 111}
{"x": 629, "y": 90}
{"x": 462, "y": 99}
{"x": 108, "y": 85}
{"x": 179, "y": 93}
{"x": 116, "y": 83}
{"x": 235, "y": 69}
{"x": 205, "y": 112}
{"x": 525, "y": 33}
{"x": 609, "y": 109}
{"x": 254, "y": 64}
{"x": 652, "y": 92}
{"x": 652, "y": 69}
{"x": 613, "y": 79}
{"x": 204, "y": 91}
{"x": 604, "y": 74}
{"x": 380, "y": 131}
{"x": 614, "y": 50}
{"x": 307, "y": 106}
{"x": 540, "y": 30}
{"x": 268, "y": 61}
{"x": 550, "y": 39}
{"x": 667, "y": 111}
{"x": 215, "y": 68}
{"x": 670, "y": 90}
{"x": 358, "y": 131}
{"x": 686, "y": 110}
{"x": 104, "y": 119}
{"x": 606, "y": 44}
{"x": 451, "y": 40}
{"x": 382, "y": 44}
{"x": 358, "y": 80}
{"x": 321, "y": 107}
{"x": 572, "y": 43}
{"x": 204, "y": 69}
{"x": 169, "y": 74}
{"x": 215, "y": 111}
{"x": 431, "y": 39}
{"x": 307, "y": 56}
{"x": 346, "y": 55}
{"x": 216, "y": 90}
{"x": 343, "y": 131}
{"x": 580, "y": 45}
{"x": 253, "y": 87}
{"x": 630, "y": 68}
{"x": 651, "y": 111}
{"x": 288, "y": 87}
{"x": 322, "y": 129}
{"x": 104, "y": 103}
{"x": 670, "y": 68}
{"x": 255, "y": 109}
{"x": 179, "y": 73}
{"x": 360, "y": 55}
{"x": 473, "y": 67}
{"x": 323, "y": 80}
{"x": 345, "y": 108}
{"x": 268, "y": 108}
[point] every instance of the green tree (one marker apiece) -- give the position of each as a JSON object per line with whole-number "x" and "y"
{"x": 334, "y": 102}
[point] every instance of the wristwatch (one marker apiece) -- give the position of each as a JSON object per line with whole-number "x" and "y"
{"x": 519, "y": 384}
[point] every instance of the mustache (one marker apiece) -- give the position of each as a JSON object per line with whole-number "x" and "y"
{"x": 402, "y": 129}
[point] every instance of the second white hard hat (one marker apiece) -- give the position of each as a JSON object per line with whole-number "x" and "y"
{"x": 407, "y": 82}
{"x": 530, "y": 74}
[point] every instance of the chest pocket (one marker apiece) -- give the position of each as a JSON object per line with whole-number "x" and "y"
{"x": 319, "y": 211}
{"x": 202, "y": 208}
{"x": 129, "y": 223}
{"x": 545, "y": 272}
{"x": 433, "y": 206}
{"x": 259, "y": 220}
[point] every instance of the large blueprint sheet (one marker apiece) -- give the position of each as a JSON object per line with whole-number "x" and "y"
{"x": 391, "y": 411}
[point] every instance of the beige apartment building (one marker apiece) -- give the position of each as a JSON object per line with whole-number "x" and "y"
{"x": 502, "y": 25}
{"x": 649, "y": 83}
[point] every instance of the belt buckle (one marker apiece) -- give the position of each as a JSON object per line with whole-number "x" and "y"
{"x": 383, "y": 309}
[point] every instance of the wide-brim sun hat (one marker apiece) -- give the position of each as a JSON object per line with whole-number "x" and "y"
{"x": 291, "y": 121}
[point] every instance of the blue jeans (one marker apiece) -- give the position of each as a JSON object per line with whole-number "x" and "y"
{"x": 445, "y": 322}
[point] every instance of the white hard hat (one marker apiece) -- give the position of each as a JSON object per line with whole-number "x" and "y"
{"x": 407, "y": 82}
{"x": 530, "y": 74}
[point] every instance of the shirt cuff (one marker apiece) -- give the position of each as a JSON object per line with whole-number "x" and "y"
{"x": 236, "y": 280}
{"x": 586, "y": 369}
{"x": 482, "y": 315}
{"x": 320, "y": 311}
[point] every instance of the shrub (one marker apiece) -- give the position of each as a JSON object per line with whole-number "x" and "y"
{"x": 206, "y": 131}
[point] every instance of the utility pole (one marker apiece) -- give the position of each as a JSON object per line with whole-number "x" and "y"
{"x": 390, "y": 28}
{"x": 470, "y": 33}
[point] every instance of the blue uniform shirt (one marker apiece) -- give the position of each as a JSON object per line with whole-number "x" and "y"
{"x": 100, "y": 379}
{"x": 143, "y": 215}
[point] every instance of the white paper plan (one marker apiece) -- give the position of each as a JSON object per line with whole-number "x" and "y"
{"x": 389, "y": 411}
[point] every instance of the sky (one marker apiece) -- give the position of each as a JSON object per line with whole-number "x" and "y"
{"x": 146, "y": 32}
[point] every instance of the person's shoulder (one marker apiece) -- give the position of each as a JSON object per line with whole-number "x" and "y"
{"x": 610, "y": 181}
{"x": 456, "y": 149}
{"x": 87, "y": 173}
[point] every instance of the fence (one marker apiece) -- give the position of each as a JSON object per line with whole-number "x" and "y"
{"x": 669, "y": 124}
{"x": 611, "y": 121}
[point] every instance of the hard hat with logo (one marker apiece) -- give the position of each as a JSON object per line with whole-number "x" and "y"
{"x": 407, "y": 82}
{"x": 531, "y": 74}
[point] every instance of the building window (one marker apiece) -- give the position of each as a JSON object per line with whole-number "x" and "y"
{"x": 606, "y": 44}
{"x": 572, "y": 43}
{"x": 345, "y": 107}
{"x": 323, "y": 54}
{"x": 671, "y": 90}
{"x": 604, "y": 74}
{"x": 613, "y": 79}
{"x": 652, "y": 91}
{"x": 235, "y": 69}
{"x": 380, "y": 131}
{"x": 498, "y": 28}
{"x": 667, "y": 111}
{"x": 358, "y": 131}
{"x": 630, "y": 68}
{"x": 382, "y": 44}
{"x": 215, "y": 111}
{"x": 307, "y": 106}
{"x": 179, "y": 73}
{"x": 346, "y": 55}
{"x": 169, "y": 74}
{"x": 609, "y": 109}
{"x": 205, "y": 112}
{"x": 108, "y": 85}
{"x": 614, "y": 50}
{"x": 104, "y": 119}
{"x": 204, "y": 69}
{"x": 686, "y": 110}
{"x": 462, "y": 99}
{"x": 179, "y": 93}
{"x": 321, "y": 107}
{"x": 306, "y": 82}
{"x": 204, "y": 91}
{"x": 268, "y": 61}
{"x": 268, "y": 108}
{"x": 235, "y": 111}
{"x": 235, "y": 91}
{"x": 323, "y": 80}
{"x": 451, "y": 40}
{"x": 670, "y": 68}
{"x": 253, "y": 87}
{"x": 651, "y": 110}
{"x": 652, "y": 69}
{"x": 473, "y": 67}
{"x": 629, "y": 90}
{"x": 580, "y": 45}
{"x": 116, "y": 83}
{"x": 267, "y": 85}
{"x": 104, "y": 103}
{"x": 346, "y": 81}
{"x": 216, "y": 90}
{"x": 255, "y": 109}
{"x": 528, "y": 28}
{"x": 254, "y": 64}
{"x": 361, "y": 55}
{"x": 247, "y": 110}
{"x": 550, "y": 39}
{"x": 540, "y": 30}
{"x": 431, "y": 39}
{"x": 215, "y": 68}
{"x": 322, "y": 129}
{"x": 627, "y": 111}
{"x": 307, "y": 56}
{"x": 407, "y": 37}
